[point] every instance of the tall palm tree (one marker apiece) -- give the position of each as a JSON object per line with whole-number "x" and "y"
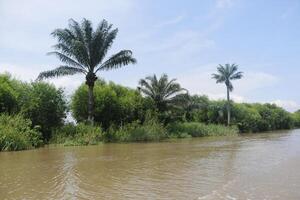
{"x": 163, "y": 92}
{"x": 225, "y": 75}
{"x": 82, "y": 50}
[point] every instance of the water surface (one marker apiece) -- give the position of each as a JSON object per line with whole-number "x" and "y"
{"x": 261, "y": 166}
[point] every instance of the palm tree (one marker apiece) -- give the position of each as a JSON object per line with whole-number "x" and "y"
{"x": 82, "y": 50}
{"x": 225, "y": 75}
{"x": 163, "y": 92}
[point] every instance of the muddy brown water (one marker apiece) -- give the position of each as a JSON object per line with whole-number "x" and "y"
{"x": 260, "y": 166}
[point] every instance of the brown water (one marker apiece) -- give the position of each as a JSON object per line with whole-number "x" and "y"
{"x": 263, "y": 166}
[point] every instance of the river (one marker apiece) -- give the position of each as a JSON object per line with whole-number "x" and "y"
{"x": 254, "y": 167}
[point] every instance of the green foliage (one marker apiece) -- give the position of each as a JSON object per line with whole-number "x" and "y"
{"x": 80, "y": 134}
{"x": 196, "y": 129}
{"x": 247, "y": 117}
{"x": 82, "y": 50}
{"x": 296, "y": 118}
{"x": 40, "y": 102}
{"x": 150, "y": 130}
{"x": 8, "y": 99}
{"x": 164, "y": 93}
{"x": 114, "y": 104}
{"x": 45, "y": 106}
{"x": 226, "y": 74}
{"x": 16, "y": 133}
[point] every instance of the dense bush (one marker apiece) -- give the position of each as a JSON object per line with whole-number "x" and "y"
{"x": 296, "y": 119}
{"x": 247, "y": 117}
{"x": 16, "y": 133}
{"x": 45, "y": 106}
{"x": 114, "y": 104}
{"x": 150, "y": 130}
{"x": 8, "y": 99}
{"x": 41, "y": 102}
{"x": 80, "y": 134}
{"x": 196, "y": 129}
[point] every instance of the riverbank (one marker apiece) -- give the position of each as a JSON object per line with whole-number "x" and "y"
{"x": 150, "y": 131}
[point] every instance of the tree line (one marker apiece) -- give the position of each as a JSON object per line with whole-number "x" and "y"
{"x": 34, "y": 113}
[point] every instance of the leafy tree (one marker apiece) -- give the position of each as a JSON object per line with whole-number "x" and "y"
{"x": 296, "y": 118}
{"x": 114, "y": 104}
{"x": 225, "y": 75}
{"x": 8, "y": 96}
{"x": 82, "y": 50}
{"x": 45, "y": 106}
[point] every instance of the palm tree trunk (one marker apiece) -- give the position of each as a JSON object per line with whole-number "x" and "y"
{"x": 228, "y": 107}
{"x": 91, "y": 104}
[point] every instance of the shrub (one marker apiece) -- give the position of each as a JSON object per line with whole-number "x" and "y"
{"x": 114, "y": 104}
{"x": 8, "y": 101}
{"x": 16, "y": 133}
{"x": 196, "y": 129}
{"x": 150, "y": 130}
{"x": 80, "y": 134}
{"x": 45, "y": 106}
{"x": 296, "y": 119}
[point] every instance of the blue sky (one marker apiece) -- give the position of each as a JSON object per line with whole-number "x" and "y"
{"x": 185, "y": 39}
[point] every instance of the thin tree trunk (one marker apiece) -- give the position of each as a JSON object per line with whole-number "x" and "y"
{"x": 91, "y": 105}
{"x": 228, "y": 107}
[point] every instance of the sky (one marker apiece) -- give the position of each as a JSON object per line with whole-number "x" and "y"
{"x": 184, "y": 39}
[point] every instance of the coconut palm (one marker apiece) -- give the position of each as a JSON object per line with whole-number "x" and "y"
{"x": 163, "y": 92}
{"x": 82, "y": 51}
{"x": 225, "y": 75}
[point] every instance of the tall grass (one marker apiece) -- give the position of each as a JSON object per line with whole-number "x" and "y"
{"x": 80, "y": 134}
{"x": 195, "y": 129}
{"x": 16, "y": 133}
{"x": 150, "y": 130}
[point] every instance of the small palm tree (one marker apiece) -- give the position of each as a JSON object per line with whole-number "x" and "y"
{"x": 163, "y": 92}
{"x": 82, "y": 50}
{"x": 225, "y": 75}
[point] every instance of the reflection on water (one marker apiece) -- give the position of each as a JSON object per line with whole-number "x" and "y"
{"x": 262, "y": 166}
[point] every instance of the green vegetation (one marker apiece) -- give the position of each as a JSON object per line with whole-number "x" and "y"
{"x": 296, "y": 119}
{"x": 225, "y": 75}
{"x": 16, "y": 133}
{"x": 40, "y": 104}
{"x": 196, "y": 129}
{"x": 33, "y": 114}
{"x": 83, "y": 50}
{"x": 150, "y": 130}
{"x": 114, "y": 104}
{"x": 80, "y": 134}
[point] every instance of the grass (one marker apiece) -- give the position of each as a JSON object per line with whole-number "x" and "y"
{"x": 16, "y": 133}
{"x": 80, "y": 134}
{"x": 195, "y": 129}
{"x": 150, "y": 130}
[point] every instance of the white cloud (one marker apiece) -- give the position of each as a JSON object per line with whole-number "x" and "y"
{"x": 173, "y": 21}
{"x": 289, "y": 105}
{"x": 24, "y": 72}
{"x": 69, "y": 83}
{"x": 224, "y": 3}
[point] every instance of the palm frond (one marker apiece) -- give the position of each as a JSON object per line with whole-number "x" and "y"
{"x": 118, "y": 60}
{"x": 237, "y": 75}
{"x": 60, "y": 71}
{"x": 67, "y": 59}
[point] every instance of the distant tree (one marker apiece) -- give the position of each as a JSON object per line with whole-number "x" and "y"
{"x": 163, "y": 92}
{"x": 225, "y": 75}
{"x": 83, "y": 50}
